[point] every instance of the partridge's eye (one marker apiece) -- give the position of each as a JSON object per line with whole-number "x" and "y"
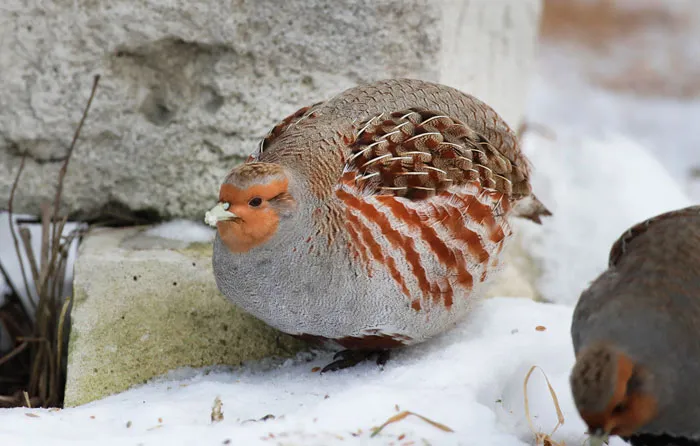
{"x": 619, "y": 408}
{"x": 255, "y": 202}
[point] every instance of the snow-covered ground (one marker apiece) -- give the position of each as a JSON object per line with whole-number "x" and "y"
{"x": 470, "y": 379}
{"x": 596, "y": 189}
{"x": 183, "y": 230}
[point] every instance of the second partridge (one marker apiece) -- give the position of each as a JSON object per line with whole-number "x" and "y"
{"x": 636, "y": 334}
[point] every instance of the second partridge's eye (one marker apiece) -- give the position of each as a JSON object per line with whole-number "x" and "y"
{"x": 619, "y": 408}
{"x": 255, "y": 202}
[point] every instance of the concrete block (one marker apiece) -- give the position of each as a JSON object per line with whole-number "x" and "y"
{"x": 145, "y": 305}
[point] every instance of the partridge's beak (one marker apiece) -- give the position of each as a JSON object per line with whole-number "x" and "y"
{"x": 598, "y": 438}
{"x": 217, "y": 214}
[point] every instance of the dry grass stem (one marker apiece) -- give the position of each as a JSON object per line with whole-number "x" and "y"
{"x": 14, "y": 352}
{"x": 13, "y": 230}
{"x": 45, "y": 227}
{"x": 64, "y": 166}
{"x": 400, "y": 416}
{"x": 542, "y": 438}
{"x": 61, "y": 329}
{"x": 50, "y": 307}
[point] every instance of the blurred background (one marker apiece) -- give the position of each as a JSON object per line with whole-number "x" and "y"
{"x": 624, "y": 66}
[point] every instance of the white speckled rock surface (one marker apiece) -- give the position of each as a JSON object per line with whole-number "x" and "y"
{"x": 188, "y": 88}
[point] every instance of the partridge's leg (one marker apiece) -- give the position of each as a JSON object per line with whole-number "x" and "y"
{"x": 350, "y": 358}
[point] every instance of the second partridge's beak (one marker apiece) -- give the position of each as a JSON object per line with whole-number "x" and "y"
{"x": 598, "y": 438}
{"x": 218, "y": 213}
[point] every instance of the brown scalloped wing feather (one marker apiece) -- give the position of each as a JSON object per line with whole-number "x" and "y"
{"x": 418, "y": 153}
{"x": 289, "y": 121}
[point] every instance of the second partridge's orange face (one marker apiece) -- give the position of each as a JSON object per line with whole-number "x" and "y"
{"x": 250, "y": 202}
{"x": 629, "y": 406}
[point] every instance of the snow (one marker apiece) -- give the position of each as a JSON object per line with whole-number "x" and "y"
{"x": 182, "y": 230}
{"x": 4, "y": 289}
{"x": 666, "y": 126}
{"x": 596, "y": 188}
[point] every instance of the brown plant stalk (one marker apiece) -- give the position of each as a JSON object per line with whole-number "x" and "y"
{"x": 47, "y": 374}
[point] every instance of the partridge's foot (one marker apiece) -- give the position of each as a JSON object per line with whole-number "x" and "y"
{"x": 350, "y": 358}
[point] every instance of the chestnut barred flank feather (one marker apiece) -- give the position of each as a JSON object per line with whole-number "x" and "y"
{"x": 436, "y": 251}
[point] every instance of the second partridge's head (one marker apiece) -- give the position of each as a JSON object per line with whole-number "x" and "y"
{"x": 613, "y": 394}
{"x": 254, "y": 199}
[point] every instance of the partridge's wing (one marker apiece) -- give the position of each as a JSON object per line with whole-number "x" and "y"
{"x": 419, "y": 153}
{"x": 282, "y": 126}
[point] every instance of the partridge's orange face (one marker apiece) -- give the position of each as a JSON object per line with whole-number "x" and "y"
{"x": 629, "y": 404}
{"x": 250, "y": 205}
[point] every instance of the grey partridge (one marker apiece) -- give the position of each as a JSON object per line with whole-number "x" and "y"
{"x": 372, "y": 220}
{"x": 636, "y": 335}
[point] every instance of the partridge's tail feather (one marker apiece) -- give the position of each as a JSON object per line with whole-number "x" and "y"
{"x": 531, "y": 208}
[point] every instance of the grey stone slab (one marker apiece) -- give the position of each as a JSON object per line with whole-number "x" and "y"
{"x": 142, "y": 309}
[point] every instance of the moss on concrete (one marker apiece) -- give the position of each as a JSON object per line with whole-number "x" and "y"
{"x": 139, "y": 314}
{"x": 198, "y": 249}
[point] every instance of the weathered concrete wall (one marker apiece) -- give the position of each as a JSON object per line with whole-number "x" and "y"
{"x": 488, "y": 49}
{"x": 188, "y": 88}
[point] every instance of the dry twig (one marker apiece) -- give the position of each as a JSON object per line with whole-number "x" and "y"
{"x": 15, "y": 351}
{"x": 13, "y": 230}
{"x": 50, "y": 307}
